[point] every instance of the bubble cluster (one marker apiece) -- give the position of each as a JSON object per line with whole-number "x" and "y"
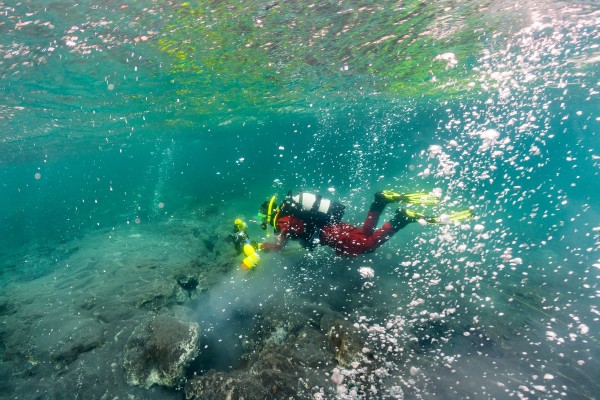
{"x": 479, "y": 296}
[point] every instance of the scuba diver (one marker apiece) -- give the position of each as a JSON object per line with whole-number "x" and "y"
{"x": 315, "y": 220}
{"x": 242, "y": 244}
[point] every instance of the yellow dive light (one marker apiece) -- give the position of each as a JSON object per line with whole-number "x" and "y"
{"x": 251, "y": 259}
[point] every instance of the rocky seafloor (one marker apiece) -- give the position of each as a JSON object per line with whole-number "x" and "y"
{"x": 162, "y": 310}
{"x": 120, "y": 316}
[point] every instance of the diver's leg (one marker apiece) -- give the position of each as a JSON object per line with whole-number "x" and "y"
{"x": 372, "y": 217}
{"x": 387, "y": 230}
{"x": 401, "y": 219}
{"x": 374, "y": 213}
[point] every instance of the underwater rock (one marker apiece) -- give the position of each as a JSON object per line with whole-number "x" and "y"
{"x": 187, "y": 282}
{"x": 207, "y": 271}
{"x": 220, "y": 385}
{"x": 157, "y": 296}
{"x": 290, "y": 370}
{"x": 343, "y": 339}
{"x": 191, "y": 278}
{"x": 277, "y": 371}
{"x": 274, "y": 377}
{"x": 78, "y": 341}
{"x": 159, "y": 350}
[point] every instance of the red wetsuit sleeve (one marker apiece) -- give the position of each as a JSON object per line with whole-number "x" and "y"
{"x": 278, "y": 244}
{"x": 289, "y": 228}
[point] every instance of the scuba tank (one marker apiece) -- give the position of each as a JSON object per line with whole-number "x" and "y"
{"x": 313, "y": 208}
{"x": 315, "y": 211}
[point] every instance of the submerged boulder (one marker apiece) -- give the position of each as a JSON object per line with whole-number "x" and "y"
{"x": 293, "y": 369}
{"x": 291, "y": 357}
{"x": 159, "y": 350}
{"x": 344, "y": 340}
{"x": 217, "y": 385}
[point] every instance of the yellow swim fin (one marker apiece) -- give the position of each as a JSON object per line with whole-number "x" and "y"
{"x": 459, "y": 216}
{"x": 443, "y": 219}
{"x": 424, "y": 199}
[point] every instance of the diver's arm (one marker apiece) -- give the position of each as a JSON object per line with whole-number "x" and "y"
{"x": 277, "y": 244}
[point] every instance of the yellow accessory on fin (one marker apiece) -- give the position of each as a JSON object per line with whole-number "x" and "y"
{"x": 420, "y": 198}
{"x": 414, "y": 215}
{"x": 464, "y": 215}
{"x": 443, "y": 219}
{"x": 459, "y": 216}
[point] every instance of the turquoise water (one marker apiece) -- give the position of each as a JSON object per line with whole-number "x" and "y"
{"x": 133, "y": 134}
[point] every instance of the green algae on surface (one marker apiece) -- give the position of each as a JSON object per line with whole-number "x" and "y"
{"x": 265, "y": 55}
